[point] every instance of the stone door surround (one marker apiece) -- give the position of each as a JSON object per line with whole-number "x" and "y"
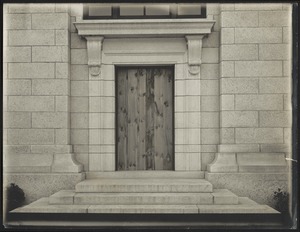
{"x": 112, "y": 43}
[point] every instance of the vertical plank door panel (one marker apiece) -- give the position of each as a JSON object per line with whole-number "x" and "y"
{"x": 168, "y": 159}
{"x": 145, "y": 118}
{"x": 132, "y": 119}
{"x": 149, "y": 120}
{"x": 122, "y": 119}
{"x": 160, "y": 142}
{"x": 141, "y": 158}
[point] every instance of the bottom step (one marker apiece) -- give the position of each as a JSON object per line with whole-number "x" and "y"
{"x": 245, "y": 206}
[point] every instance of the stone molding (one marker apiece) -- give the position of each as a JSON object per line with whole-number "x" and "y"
{"x": 145, "y": 27}
{"x": 96, "y": 30}
{"x": 194, "y": 43}
{"x": 66, "y": 163}
{"x": 248, "y": 162}
{"x": 94, "y": 49}
{"x": 223, "y": 162}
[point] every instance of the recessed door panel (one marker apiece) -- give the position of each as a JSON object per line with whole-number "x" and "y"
{"x": 145, "y": 118}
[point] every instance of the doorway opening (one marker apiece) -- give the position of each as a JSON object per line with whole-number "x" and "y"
{"x": 145, "y": 118}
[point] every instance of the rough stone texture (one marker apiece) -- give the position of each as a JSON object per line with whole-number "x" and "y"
{"x": 30, "y": 103}
{"x": 79, "y": 104}
{"x": 17, "y": 21}
{"x": 254, "y": 64}
{"x": 239, "y": 118}
{"x": 274, "y": 52}
{"x": 50, "y": 87}
{"x": 209, "y": 120}
{"x": 239, "y": 147}
{"x": 50, "y": 21}
{"x": 227, "y": 68}
{"x": 78, "y": 56}
{"x": 259, "y": 102}
{"x": 209, "y": 103}
{"x": 49, "y": 120}
{"x": 30, "y": 136}
{"x": 17, "y": 54}
{"x": 62, "y": 37}
{"x": 79, "y": 72}
{"x": 80, "y": 88}
{"x": 239, "y": 19}
{"x": 275, "y": 85}
{"x": 227, "y": 35}
{"x": 258, "y": 68}
{"x": 274, "y": 19}
{"x": 210, "y": 136}
{"x": 17, "y": 120}
{"x": 275, "y": 119}
{"x": 259, "y": 135}
{"x": 50, "y": 54}
{"x": 31, "y": 8}
{"x": 249, "y": 184}
{"x": 31, "y": 37}
{"x": 239, "y": 52}
{"x": 18, "y": 87}
{"x": 227, "y": 102}
{"x": 79, "y": 120}
{"x": 30, "y": 70}
{"x": 62, "y": 70}
{"x": 258, "y": 35}
{"x": 239, "y": 85}
{"x": 227, "y": 135}
{"x": 37, "y": 185}
{"x": 209, "y": 71}
{"x": 79, "y": 136}
{"x": 257, "y": 7}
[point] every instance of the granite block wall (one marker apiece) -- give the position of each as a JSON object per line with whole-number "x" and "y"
{"x": 255, "y": 100}
{"x": 36, "y": 86}
{"x": 255, "y": 88}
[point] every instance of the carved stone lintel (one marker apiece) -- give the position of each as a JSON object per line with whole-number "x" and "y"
{"x": 94, "y": 49}
{"x": 194, "y": 43}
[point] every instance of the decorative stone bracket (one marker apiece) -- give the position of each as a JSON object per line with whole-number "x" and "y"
{"x": 94, "y": 49}
{"x": 194, "y": 43}
{"x": 193, "y": 30}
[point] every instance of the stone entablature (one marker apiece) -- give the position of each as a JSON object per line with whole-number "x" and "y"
{"x": 192, "y": 29}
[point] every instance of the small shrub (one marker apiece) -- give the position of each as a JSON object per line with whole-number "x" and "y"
{"x": 15, "y": 197}
{"x": 281, "y": 201}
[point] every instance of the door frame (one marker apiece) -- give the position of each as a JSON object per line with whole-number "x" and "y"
{"x": 116, "y": 67}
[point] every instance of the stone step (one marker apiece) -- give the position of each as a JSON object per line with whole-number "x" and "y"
{"x": 244, "y": 206}
{"x": 144, "y": 185}
{"x": 146, "y": 174}
{"x": 70, "y": 197}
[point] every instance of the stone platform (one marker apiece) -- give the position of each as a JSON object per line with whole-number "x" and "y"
{"x": 145, "y": 196}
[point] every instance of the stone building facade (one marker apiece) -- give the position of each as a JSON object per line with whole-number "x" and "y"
{"x": 232, "y": 117}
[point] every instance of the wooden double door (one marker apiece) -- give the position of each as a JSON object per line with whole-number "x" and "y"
{"x": 145, "y": 118}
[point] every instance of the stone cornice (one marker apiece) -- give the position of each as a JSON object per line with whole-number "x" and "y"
{"x": 144, "y": 27}
{"x": 96, "y": 30}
